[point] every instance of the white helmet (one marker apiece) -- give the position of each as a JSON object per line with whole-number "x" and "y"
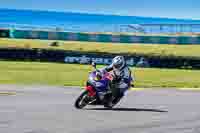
{"x": 118, "y": 62}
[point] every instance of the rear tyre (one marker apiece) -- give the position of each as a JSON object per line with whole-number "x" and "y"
{"x": 114, "y": 102}
{"x": 82, "y": 100}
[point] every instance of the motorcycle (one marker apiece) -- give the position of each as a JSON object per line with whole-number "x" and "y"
{"x": 97, "y": 90}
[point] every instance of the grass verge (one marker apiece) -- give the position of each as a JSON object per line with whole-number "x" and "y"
{"x": 7, "y": 93}
{"x": 30, "y": 73}
{"x": 147, "y": 49}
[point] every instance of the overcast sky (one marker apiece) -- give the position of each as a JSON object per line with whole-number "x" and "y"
{"x": 189, "y": 9}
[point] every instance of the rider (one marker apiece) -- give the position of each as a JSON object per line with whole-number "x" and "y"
{"x": 121, "y": 77}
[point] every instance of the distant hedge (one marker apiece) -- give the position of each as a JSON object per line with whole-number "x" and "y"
{"x": 47, "y": 55}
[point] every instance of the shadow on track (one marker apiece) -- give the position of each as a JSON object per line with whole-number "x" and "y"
{"x": 129, "y": 109}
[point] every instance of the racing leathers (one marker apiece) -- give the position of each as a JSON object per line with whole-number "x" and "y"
{"x": 121, "y": 79}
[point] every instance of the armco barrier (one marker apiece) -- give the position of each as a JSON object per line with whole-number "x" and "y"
{"x": 45, "y": 55}
{"x": 52, "y": 35}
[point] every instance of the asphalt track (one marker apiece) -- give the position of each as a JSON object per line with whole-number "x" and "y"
{"x": 43, "y": 109}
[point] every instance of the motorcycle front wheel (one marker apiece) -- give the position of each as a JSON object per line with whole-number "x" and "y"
{"x": 82, "y": 100}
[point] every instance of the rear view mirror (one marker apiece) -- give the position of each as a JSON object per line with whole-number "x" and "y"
{"x": 94, "y": 65}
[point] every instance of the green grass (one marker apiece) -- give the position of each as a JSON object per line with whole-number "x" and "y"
{"x": 148, "y": 49}
{"x": 30, "y": 73}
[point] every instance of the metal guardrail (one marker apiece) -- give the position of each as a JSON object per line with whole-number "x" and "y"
{"x": 26, "y": 26}
{"x": 115, "y": 28}
{"x": 78, "y": 28}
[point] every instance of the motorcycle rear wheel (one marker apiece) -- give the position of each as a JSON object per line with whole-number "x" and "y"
{"x": 115, "y": 101}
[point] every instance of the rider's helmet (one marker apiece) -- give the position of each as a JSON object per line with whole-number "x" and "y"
{"x": 118, "y": 62}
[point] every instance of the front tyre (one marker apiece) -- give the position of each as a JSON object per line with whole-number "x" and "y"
{"x": 82, "y": 100}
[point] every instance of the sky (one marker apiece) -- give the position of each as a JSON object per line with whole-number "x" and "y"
{"x": 187, "y": 9}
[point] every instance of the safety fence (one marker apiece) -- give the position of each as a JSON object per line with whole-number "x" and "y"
{"x": 98, "y": 37}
